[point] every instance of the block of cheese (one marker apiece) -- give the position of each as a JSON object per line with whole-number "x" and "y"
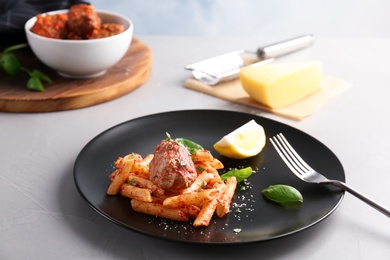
{"x": 279, "y": 85}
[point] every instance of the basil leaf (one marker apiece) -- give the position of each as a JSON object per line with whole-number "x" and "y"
{"x": 190, "y": 145}
{"x": 35, "y": 84}
{"x": 10, "y": 64}
{"x": 284, "y": 195}
{"x": 240, "y": 174}
{"x": 43, "y": 77}
{"x": 15, "y": 47}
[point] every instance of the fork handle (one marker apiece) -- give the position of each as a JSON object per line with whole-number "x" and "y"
{"x": 364, "y": 198}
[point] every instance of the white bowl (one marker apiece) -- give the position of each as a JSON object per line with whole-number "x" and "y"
{"x": 82, "y": 58}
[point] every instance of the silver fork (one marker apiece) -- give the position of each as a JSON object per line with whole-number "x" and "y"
{"x": 304, "y": 172}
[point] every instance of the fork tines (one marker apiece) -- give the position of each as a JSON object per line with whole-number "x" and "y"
{"x": 290, "y": 157}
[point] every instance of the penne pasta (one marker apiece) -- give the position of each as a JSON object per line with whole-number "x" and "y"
{"x": 216, "y": 164}
{"x": 191, "y": 210}
{"x": 135, "y": 157}
{"x": 118, "y": 162}
{"x": 120, "y": 177}
{"x": 226, "y": 199}
{"x": 133, "y": 192}
{"x": 202, "y": 156}
{"x": 200, "y": 182}
{"x": 141, "y": 167}
{"x": 194, "y": 198}
{"x": 144, "y": 183}
{"x": 159, "y": 210}
{"x": 207, "y": 195}
{"x": 207, "y": 211}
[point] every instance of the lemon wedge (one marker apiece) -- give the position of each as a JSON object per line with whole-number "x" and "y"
{"x": 246, "y": 141}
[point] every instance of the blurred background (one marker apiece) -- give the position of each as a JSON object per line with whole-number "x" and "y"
{"x": 268, "y": 18}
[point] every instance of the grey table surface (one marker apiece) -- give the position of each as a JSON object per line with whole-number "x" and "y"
{"x": 43, "y": 216}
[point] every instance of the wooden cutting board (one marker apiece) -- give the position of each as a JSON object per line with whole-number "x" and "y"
{"x": 65, "y": 94}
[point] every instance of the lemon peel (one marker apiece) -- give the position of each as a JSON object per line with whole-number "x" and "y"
{"x": 246, "y": 141}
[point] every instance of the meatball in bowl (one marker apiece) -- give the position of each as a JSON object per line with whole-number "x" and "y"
{"x": 79, "y": 42}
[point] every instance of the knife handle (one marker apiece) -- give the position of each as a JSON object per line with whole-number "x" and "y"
{"x": 285, "y": 47}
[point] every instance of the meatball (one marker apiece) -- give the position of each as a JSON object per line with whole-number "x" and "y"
{"x": 83, "y": 21}
{"x": 172, "y": 167}
{"x": 107, "y": 30}
{"x": 80, "y": 23}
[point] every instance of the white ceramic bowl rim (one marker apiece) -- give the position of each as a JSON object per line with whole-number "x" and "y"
{"x": 30, "y": 23}
{"x": 81, "y": 58}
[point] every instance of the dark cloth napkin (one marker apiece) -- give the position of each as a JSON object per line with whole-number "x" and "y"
{"x": 15, "y": 13}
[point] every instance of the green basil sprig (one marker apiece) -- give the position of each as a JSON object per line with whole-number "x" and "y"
{"x": 9, "y": 62}
{"x": 11, "y": 65}
{"x": 284, "y": 195}
{"x": 190, "y": 145}
{"x": 240, "y": 174}
{"x": 36, "y": 80}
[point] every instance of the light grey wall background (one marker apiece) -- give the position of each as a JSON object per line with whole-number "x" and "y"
{"x": 268, "y": 18}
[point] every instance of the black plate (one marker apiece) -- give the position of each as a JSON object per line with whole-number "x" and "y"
{"x": 258, "y": 220}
